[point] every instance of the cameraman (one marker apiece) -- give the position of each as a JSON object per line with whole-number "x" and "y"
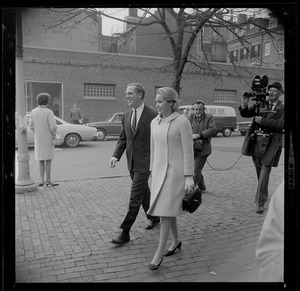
{"x": 267, "y": 144}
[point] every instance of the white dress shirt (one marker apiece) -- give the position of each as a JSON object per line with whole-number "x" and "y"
{"x": 139, "y": 112}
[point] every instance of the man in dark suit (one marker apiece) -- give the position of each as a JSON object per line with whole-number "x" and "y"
{"x": 135, "y": 138}
{"x": 267, "y": 138}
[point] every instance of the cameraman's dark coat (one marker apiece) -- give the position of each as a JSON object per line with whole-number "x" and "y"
{"x": 273, "y": 123}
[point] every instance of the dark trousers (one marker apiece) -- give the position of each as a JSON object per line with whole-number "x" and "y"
{"x": 199, "y": 162}
{"x": 140, "y": 195}
{"x": 262, "y": 171}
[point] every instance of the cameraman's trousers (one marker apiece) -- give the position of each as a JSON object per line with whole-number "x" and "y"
{"x": 262, "y": 171}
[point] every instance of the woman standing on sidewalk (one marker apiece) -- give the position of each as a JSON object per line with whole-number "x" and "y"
{"x": 43, "y": 124}
{"x": 172, "y": 166}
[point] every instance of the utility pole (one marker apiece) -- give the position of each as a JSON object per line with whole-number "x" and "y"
{"x": 24, "y": 182}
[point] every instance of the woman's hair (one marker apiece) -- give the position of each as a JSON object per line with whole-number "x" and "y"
{"x": 43, "y": 99}
{"x": 138, "y": 88}
{"x": 169, "y": 95}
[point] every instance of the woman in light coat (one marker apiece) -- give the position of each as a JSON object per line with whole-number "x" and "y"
{"x": 43, "y": 124}
{"x": 172, "y": 166}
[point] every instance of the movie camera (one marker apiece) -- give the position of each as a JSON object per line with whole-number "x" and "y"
{"x": 259, "y": 89}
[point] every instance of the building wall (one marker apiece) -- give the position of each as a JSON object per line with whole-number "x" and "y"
{"x": 276, "y": 57}
{"x": 74, "y": 68}
{"x": 40, "y": 28}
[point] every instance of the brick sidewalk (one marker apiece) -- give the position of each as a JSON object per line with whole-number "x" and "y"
{"x": 63, "y": 233}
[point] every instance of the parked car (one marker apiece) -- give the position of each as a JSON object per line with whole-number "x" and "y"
{"x": 111, "y": 127}
{"x": 243, "y": 126}
{"x": 71, "y": 134}
{"x": 225, "y": 117}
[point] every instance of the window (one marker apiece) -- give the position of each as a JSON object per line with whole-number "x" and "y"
{"x": 99, "y": 91}
{"x": 213, "y": 111}
{"x": 255, "y": 50}
{"x": 221, "y": 111}
{"x": 243, "y": 54}
{"x": 225, "y": 96}
{"x": 280, "y": 45}
{"x": 242, "y": 31}
{"x": 267, "y": 49}
{"x": 234, "y": 56}
{"x": 32, "y": 89}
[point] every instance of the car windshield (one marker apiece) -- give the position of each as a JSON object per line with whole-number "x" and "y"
{"x": 115, "y": 117}
{"x": 110, "y": 118}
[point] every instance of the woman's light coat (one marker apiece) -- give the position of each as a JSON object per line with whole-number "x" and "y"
{"x": 172, "y": 159}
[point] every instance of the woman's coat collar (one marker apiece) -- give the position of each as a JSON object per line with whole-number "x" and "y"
{"x": 169, "y": 118}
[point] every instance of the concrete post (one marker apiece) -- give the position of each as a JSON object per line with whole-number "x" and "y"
{"x": 24, "y": 182}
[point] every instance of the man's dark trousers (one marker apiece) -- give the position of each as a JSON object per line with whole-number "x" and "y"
{"x": 140, "y": 195}
{"x": 199, "y": 162}
{"x": 262, "y": 171}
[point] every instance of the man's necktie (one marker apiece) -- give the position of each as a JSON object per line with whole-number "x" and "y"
{"x": 133, "y": 124}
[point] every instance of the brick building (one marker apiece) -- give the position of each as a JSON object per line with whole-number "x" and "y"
{"x": 73, "y": 68}
{"x": 259, "y": 48}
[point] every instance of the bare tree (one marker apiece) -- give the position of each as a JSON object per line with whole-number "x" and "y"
{"x": 182, "y": 26}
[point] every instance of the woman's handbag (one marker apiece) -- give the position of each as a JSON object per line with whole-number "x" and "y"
{"x": 248, "y": 141}
{"x": 57, "y": 140}
{"x": 192, "y": 200}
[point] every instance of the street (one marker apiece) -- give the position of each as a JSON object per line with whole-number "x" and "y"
{"x": 91, "y": 159}
{"x": 63, "y": 233}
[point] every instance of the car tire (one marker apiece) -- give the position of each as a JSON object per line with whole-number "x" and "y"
{"x": 243, "y": 133}
{"x": 72, "y": 140}
{"x": 226, "y": 132}
{"x": 101, "y": 134}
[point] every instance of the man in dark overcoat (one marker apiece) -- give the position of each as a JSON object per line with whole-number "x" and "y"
{"x": 266, "y": 138}
{"x": 135, "y": 139}
{"x": 203, "y": 128}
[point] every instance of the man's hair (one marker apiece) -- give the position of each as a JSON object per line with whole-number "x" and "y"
{"x": 43, "y": 98}
{"x": 198, "y": 102}
{"x": 138, "y": 88}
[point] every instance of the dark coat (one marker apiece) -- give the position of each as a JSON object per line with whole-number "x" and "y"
{"x": 138, "y": 145}
{"x": 273, "y": 123}
{"x": 207, "y": 127}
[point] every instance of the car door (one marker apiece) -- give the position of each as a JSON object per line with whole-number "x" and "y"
{"x": 116, "y": 124}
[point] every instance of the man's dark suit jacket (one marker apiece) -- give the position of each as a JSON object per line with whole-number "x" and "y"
{"x": 274, "y": 123}
{"x": 137, "y": 145}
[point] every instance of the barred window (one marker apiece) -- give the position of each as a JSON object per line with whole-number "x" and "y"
{"x": 99, "y": 91}
{"x": 225, "y": 96}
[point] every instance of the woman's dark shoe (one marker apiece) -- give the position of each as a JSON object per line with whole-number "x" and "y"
{"x": 41, "y": 184}
{"x": 170, "y": 253}
{"x": 50, "y": 184}
{"x": 153, "y": 267}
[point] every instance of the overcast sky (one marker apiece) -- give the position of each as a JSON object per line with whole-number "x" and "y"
{"x": 109, "y": 25}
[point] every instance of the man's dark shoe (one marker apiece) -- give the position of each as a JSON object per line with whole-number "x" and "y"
{"x": 121, "y": 239}
{"x": 152, "y": 222}
{"x": 260, "y": 208}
